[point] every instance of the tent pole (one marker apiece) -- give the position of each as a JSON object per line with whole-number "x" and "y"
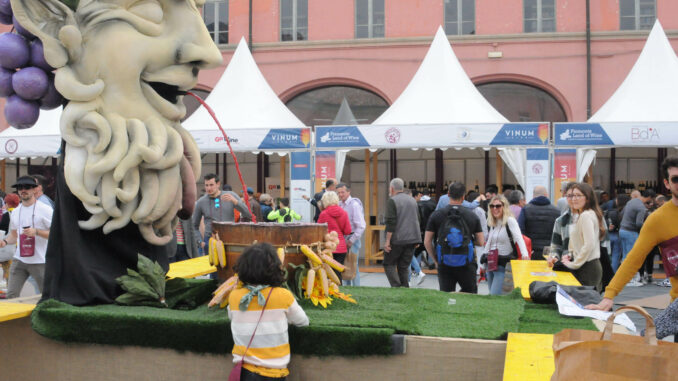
{"x": 613, "y": 166}
{"x": 439, "y": 173}
{"x": 393, "y": 165}
{"x": 18, "y": 166}
{"x": 216, "y": 167}
{"x": 487, "y": 168}
{"x": 260, "y": 165}
{"x": 589, "y": 176}
{"x": 375, "y": 183}
{"x": 283, "y": 174}
{"x": 2, "y": 174}
{"x": 225, "y": 173}
{"x": 500, "y": 174}
{"x": 368, "y": 236}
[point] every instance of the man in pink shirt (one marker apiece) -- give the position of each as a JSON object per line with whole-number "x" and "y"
{"x": 356, "y": 216}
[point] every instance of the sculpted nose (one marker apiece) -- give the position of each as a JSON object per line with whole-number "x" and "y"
{"x": 201, "y": 50}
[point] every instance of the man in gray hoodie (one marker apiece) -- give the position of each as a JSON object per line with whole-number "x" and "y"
{"x": 216, "y": 205}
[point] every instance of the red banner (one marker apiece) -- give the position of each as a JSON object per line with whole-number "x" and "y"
{"x": 564, "y": 168}
{"x": 325, "y": 164}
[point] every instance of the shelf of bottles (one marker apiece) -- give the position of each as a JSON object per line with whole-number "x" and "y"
{"x": 430, "y": 187}
{"x": 622, "y": 187}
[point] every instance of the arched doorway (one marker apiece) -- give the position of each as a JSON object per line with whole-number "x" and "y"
{"x": 320, "y": 105}
{"x": 522, "y": 103}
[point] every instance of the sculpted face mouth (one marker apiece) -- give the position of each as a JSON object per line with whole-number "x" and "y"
{"x": 165, "y": 89}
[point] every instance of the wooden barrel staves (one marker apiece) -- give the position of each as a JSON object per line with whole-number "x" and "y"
{"x": 239, "y": 235}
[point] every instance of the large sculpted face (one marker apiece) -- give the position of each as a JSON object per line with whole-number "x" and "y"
{"x": 124, "y": 66}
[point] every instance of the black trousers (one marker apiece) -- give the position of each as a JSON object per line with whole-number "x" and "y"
{"x": 397, "y": 264}
{"x": 465, "y": 276}
{"x": 341, "y": 258}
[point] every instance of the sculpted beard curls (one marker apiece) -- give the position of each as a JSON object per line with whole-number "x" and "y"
{"x": 129, "y": 170}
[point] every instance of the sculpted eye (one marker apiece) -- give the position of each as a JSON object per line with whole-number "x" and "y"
{"x": 148, "y": 9}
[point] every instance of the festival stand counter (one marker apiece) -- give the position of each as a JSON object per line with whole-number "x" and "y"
{"x": 464, "y": 338}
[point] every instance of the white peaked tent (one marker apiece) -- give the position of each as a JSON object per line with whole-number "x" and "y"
{"x": 344, "y": 116}
{"x": 441, "y": 93}
{"x": 647, "y": 98}
{"x": 247, "y": 108}
{"x": 41, "y": 140}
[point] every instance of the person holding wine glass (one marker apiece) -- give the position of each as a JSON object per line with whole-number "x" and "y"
{"x": 585, "y": 235}
{"x": 504, "y": 231}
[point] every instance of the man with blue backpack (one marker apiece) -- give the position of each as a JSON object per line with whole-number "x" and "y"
{"x": 450, "y": 236}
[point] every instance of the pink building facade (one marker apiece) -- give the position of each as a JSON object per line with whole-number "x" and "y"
{"x": 554, "y": 62}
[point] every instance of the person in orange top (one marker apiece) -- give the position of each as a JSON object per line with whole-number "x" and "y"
{"x": 260, "y": 270}
{"x": 659, "y": 227}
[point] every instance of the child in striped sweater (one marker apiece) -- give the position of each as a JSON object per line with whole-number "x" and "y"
{"x": 267, "y": 357}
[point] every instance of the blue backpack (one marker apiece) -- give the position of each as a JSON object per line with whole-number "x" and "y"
{"x": 454, "y": 245}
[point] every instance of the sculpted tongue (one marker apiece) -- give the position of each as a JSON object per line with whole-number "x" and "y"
{"x": 189, "y": 188}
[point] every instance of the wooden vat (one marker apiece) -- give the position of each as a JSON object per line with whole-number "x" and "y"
{"x": 239, "y": 235}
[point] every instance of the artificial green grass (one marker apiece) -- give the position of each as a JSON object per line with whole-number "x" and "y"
{"x": 545, "y": 318}
{"x": 342, "y": 329}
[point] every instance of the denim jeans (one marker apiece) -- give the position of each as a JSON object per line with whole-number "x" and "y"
{"x": 615, "y": 250}
{"x": 355, "y": 248}
{"x": 495, "y": 280}
{"x": 628, "y": 239}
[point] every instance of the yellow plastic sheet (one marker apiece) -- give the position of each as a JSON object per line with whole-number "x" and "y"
{"x": 191, "y": 268}
{"x": 526, "y": 272}
{"x": 529, "y": 357}
{"x": 11, "y": 311}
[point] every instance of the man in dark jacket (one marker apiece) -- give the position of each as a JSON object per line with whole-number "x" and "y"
{"x": 402, "y": 234}
{"x": 536, "y": 221}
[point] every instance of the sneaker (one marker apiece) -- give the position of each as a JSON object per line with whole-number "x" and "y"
{"x": 635, "y": 283}
{"x": 647, "y": 279}
{"x": 419, "y": 279}
{"x": 664, "y": 283}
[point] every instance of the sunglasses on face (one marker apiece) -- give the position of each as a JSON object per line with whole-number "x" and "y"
{"x": 674, "y": 179}
{"x": 496, "y": 206}
{"x": 24, "y": 187}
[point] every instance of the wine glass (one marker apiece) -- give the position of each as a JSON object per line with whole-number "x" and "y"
{"x": 547, "y": 252}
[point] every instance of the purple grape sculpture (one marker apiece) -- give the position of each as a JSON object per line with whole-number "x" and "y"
{"x": 14, "y": 51}
{"x": 21, "y": 113}
{"x": 26, "y": 78}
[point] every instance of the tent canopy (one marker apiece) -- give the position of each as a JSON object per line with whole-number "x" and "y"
{"x": 249, "y": 111}
{"x": 650, "y": 91}
{"x": 440, "y": 93}
{"x": 41, "y": 140}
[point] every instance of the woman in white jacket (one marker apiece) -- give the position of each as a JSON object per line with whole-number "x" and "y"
{"x": 500, "y": 220}
{"x": 586, "y": 232}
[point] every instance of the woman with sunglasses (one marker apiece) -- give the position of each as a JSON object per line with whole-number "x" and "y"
{"x": 586, "y": 232}
{"x": 504, "y": 231}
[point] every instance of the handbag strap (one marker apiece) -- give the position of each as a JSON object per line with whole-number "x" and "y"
{"x": 257, "y": 326}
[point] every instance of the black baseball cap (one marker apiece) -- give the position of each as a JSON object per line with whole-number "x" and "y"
{"x": 25, "y": 180}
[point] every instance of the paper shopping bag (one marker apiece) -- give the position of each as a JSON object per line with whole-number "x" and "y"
{"x": 350, "y": 263}
{"x": 589, "y": 355}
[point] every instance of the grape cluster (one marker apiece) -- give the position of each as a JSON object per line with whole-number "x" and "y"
{"x": 26, "y": 79}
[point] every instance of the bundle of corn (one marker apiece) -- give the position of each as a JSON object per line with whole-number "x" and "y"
{"x": 216, "y": 251}
{"x": 319, "y": 282}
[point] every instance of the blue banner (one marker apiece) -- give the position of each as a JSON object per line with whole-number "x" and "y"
{"x": 301, "y": 165}
{"x": 581, "y": 134}
{"x": 536, "y": 134}
{"x": 286, "y": 138}
{"x": 537, "y": 154}
{"x": 339, "y": 137}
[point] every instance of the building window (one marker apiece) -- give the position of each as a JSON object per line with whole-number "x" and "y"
{"x": 522, "y": 103}
{"x": 637, "y": 14}
{"x": 320, "y": 106}
{"x": 215, "y": 14}
{"x": 460, "y": 17}
{"x": 369, "y": 18}
{"x": 539, "y": 16}
{"x": 293, "y": 20}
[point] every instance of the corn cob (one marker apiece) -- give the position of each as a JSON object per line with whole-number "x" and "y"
{"x": 323, "y": 281}
{"x": 333, "y": 264}
{"x": 313, "y": 257}
{"x": 310, "y": 281}
{"x": 331, "y": 274}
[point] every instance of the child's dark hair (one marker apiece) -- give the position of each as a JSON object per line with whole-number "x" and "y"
{"x": 259, "y": 264}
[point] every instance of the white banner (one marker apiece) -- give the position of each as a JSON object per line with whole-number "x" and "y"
{"x": 626, "y": 134}
{"x": 537, "y": 171}
{"x": 297, "y": 203}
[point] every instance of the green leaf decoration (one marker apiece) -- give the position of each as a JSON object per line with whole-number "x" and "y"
{"x": 153, "y": 273}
